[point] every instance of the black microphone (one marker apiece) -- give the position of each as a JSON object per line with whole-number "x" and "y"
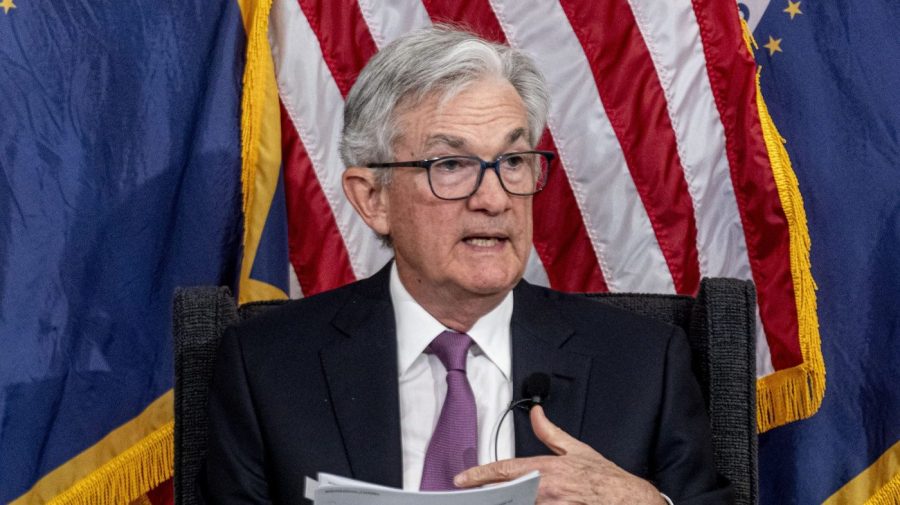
{"x": 535, "y": 391}
{"x": 536, "y": 388}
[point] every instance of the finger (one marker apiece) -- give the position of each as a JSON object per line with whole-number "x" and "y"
{"x": 500, "y": 471}
{"x": 550, "y": 434}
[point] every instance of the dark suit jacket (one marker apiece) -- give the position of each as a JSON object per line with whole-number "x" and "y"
{"x": 312, "y": 386}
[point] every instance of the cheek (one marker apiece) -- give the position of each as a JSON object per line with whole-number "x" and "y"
{"x": 423, "y": 227}
{"x": 437, "y": 229}
{"x": 525, "y": 224}
{"x": 401, "y": 206}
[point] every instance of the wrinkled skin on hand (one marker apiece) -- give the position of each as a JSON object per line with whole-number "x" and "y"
{"x": 577, "y": 474}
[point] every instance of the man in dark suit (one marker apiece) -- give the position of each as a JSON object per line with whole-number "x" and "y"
{"x": 400, "y": 379}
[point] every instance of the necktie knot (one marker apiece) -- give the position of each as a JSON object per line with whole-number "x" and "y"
{"x": 451, "y": 348}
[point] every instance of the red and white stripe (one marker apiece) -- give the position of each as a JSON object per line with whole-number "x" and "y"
{"x": 657, "y": 181}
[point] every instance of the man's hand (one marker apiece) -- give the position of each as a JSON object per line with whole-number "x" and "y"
{"x": 577, "y": 474}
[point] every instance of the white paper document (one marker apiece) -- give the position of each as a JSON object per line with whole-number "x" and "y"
{"x": 335, "y": 490}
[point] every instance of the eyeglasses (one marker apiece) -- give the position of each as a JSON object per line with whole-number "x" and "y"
{"x": 458, "y": 177}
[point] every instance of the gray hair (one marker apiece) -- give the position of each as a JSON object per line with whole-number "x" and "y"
{"x": 440, "y": 60}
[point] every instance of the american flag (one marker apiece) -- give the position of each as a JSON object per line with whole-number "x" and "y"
{"x": 668, "y": 168}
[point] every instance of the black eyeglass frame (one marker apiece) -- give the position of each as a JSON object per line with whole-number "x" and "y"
{"x": 494, "y": 165}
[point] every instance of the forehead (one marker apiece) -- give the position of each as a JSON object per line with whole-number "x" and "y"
{"x": 484, "y": 111}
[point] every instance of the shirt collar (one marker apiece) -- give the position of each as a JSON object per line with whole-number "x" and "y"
{"x": 416, "y": 328}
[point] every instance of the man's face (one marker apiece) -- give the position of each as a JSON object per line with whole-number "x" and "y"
{"x": 462, "y": 249}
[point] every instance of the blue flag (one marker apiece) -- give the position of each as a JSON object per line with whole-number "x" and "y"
{"x": 830, "y": 74}
{"x": 120, "y": 179}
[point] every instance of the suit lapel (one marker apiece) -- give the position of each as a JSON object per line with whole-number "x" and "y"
{"x": 539, "y": 333}
{"x": 361, "y": 371}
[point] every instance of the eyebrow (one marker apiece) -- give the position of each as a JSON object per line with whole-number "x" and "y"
{"x": 459, "y": 143}
{"x": 515, "y": 135}
{"x": 448, "y": 140}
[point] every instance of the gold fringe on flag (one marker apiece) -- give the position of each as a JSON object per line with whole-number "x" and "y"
{"x": 888, "y": 495}
{"x": 258, "y": 72}
{"x": 128, "y": 462}
{"x": 794, "y": 393}
{"x": 260, "y": 145}
{"x": 781, "y": 401}
{"x": 129, "y": 475}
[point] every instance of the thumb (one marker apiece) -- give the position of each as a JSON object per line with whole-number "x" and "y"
{"x": 551, "y": 435}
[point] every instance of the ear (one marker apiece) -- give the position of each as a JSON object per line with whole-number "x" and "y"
{"x": 368, "y": 197}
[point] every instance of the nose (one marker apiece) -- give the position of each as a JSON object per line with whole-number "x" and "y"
{"x": 490, "y": 196}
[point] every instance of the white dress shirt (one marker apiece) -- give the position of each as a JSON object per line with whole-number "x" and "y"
{"x": 423, "y": 384}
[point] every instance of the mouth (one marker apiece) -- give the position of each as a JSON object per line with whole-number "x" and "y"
{"x": 485, "y": 241}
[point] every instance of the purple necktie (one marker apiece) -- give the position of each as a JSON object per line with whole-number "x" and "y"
{"x": 454, "y": 444}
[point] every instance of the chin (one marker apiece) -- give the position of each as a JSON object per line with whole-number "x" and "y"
{"x": 487, "y": 285}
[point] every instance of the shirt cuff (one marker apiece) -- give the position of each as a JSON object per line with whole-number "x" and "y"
{"x": 668, "y": 500}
